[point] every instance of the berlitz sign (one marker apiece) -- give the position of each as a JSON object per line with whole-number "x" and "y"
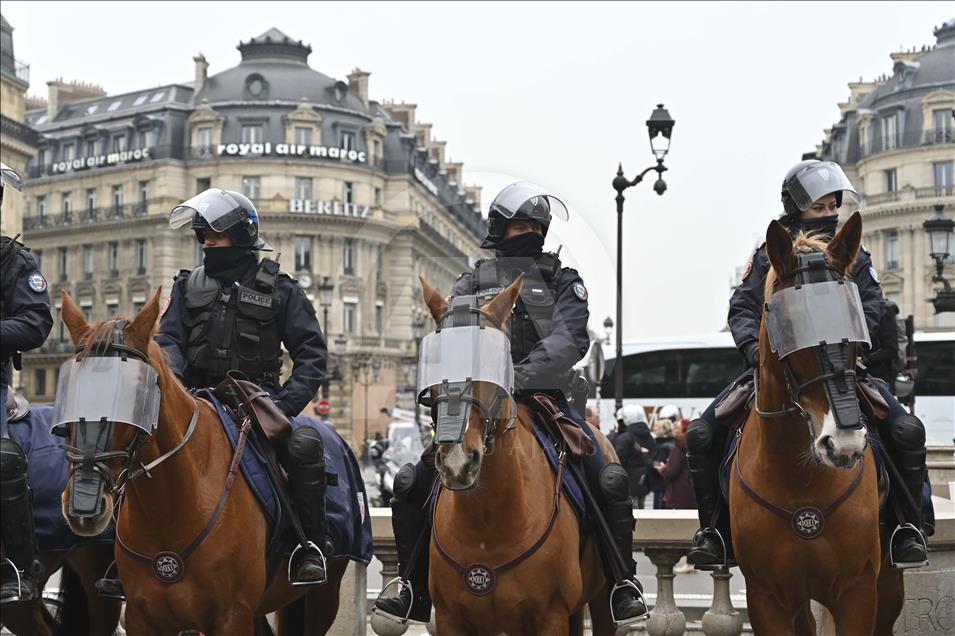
{"x": 291, "y": 150}
{"x": 328, "y": 208}
{"x": 97, "y": 161}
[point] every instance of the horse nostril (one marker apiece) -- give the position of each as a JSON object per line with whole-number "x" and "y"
{"x": 830, "y": 445}
{"x": 475, "y": 457}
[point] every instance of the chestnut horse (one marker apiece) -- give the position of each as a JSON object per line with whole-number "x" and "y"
{"x": 225, "y": 589}
{"x": 842, "y": 566}
{"x": 494, "y": 508}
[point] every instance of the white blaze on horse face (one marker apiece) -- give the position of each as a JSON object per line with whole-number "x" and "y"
{"x": 839, "y": 447}
{"x": 456, "y": 468}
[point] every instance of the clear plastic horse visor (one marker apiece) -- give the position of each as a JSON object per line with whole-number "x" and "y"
{"x": 803, "y": 317}
{"x": 9, "y": 177}
{"x": 217, "y": 207}
{"x": 517, "y": 194}
{"x": 107, "y": 387}
{"x": 818, "y": 180}
{"x": 458, "y": 354}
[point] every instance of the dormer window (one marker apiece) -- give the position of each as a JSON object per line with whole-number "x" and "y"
{"x": 348, "y": 140}
{"x": 252, "y": 134}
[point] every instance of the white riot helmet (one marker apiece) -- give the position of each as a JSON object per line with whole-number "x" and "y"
{"x": 669, "y": 412}
{"x": 632, "y": 414}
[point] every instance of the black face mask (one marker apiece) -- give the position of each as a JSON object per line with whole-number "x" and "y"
{"x": 528, "y": 244}
{"x": 822, "y": 225}
{"x": 227, "y": 264}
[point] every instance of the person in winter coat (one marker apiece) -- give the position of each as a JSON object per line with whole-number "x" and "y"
{"x": 663, "y": 437}
{"x": 634, "y": 445}
{"x": 679, "y": 490}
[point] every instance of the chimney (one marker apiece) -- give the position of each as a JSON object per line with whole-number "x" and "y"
{"x": 60, "y": 92}
{"x": 358, "y": 84}
{"x": 202, "y": 72}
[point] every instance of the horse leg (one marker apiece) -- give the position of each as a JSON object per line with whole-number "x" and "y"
{"x": 27, "y": 618}
{"x": 238, "y": 621}
{"x": 601, "y": 623}
{"x": 805, "y": 623}
{"x": 448, "y": 626}
{"x": 88, "y": 563}
{"x": 766, "y": 615}
{"x": 855, "y": 611}
{"x": 576, "y": 625}
{"x": 321, "y": 603}
{"x": 891, "y": 590}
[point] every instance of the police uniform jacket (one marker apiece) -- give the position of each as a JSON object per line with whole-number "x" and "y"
{"x": 544, "y": 359}
{"x": 298, "y": 330}
{"x": 746, "y": 304}
{"x": 25, "y": 318}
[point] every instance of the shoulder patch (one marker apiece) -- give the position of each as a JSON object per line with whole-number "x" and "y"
{"x": 874, "y": 274}
{"x": 37, "y": 283}
{"x": 580, "y": 291}
{"x": 749, "y": 269}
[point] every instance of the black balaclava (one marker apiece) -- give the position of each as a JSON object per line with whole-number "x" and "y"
{"x": 228, "y": 264}
{"x": 821, "y": 225}
{"x": 526, "y": 245}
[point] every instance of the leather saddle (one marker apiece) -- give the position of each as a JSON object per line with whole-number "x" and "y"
{"x": 245, "y": 397}
{"x": 576, "y": 441}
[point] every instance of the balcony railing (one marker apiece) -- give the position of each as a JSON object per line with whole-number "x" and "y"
{"x": 884, "y": 197}
{"x": 934, "y": 192}
{"x": 912, "y": 139}
{"x": 18, "y": 131}
{"x": 106, "y": 214}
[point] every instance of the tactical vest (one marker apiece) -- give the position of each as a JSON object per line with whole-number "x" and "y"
{"x": 533, "y": 315}
{"x": 233, "y": 328}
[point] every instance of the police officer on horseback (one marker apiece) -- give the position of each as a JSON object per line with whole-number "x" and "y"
{"x": 548, "y": 334}
{"x": 25, "y": 322}
{"x": 234, "y": 313}
{"x": 812, "y": 193}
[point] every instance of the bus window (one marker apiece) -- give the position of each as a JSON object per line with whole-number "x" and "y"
{"x": 936, "y": 368}
{"x": 675, "y": 373}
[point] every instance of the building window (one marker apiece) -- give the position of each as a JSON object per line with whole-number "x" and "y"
{"x": 91, "y": 148}
{"x": 349, "y": 317}
{"x": 60, "y": 327}
{"x": 890, "y": 132}
{"x": 111, "y": 308}
{"x": 892, "y": 250}
{"x": 348, "y": 192}
{"x": 39, "y": 380}
{"x": 142, "y": 138}
{"x": 87, "y": 311}
{"x": 348, "y": 256}
{"x": 303, "y": 136}
{"x": 143, "y": 194}
{"x": 112, "y": 258}
{"x": 942, "y": 124}
{"x": 375, "y": 151}
{"x": 379, "y": 319}
{"x": 303, "y": 253}
{"x": 377, "y": 196}
{"x": 41, "y": 157}
{"x": 117, "y": 196}
{"x": 38, "y": 255}
{"x": 41, "y": 206}
{"x": 379, "y": 265}
{"x": 119, "y": 143}
{"x": 87, "y": 262}
{"x": 62, "y": 258}
{"x": 68, "y": 152}
{"x": 943, "y": 176}
{"x": 252, "y": 187}
{"x": 203, "y": 184}
{"x": 891, "y": 183}
{"x": 138, "y": 306}
{"x": 303, "y": 188}
{"x": 204, "y": 137}
{"x": 90, "y": 201}
{"x": 252, "y": 134}
{"x": 140, "y": 256}
{"x": 65, "y": 203}
{"x": 348, "y": 140}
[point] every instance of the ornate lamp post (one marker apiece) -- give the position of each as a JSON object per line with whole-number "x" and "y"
{"x": 660, "y": 128}
{"x": 940, "y": 230}
{"x": 417, "y": 326}
{"x": 325, "y": 289}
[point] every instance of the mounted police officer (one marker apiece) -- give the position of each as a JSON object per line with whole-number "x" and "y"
{"x": 235, "y": 313}
{"x": 812, "y": 193}
{"x": 25, "y": 322}
{"x": 548, "y": 333}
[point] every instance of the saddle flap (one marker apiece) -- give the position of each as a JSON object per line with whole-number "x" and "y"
{"x": 258, "y": 405}
{"x": 578, "y": 443}
{"x": 871, "y": 401}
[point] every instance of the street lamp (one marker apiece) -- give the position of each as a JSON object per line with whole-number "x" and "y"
{"x": 660, "y": 128}
{"x": 417, "y": 327}
{"x": 361, "y": 370}
{"x": 940, "y": 230}
{"x": 325, "y": 290}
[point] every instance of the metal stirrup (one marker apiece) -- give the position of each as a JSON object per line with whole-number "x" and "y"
{"x": 617, "y": 622}
{"x": 16, "y": 570}
{"x": 906, "y": 565}
{"x": 708, "y": 567}
{"x": 401, "y": 583}
{"x": 291, "y": 560}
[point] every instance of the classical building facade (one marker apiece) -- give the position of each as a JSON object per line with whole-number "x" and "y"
{"x": 346, "y": 188}
{"x": 896, "y": 141}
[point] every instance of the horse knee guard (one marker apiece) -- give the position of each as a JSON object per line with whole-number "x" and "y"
{"x": 699, "y": 436}
{"x": 908, "y": 433}
{"x": 413, "y": 483}
{"x": 13, "y": 463}
{"x": 305, "y": 447}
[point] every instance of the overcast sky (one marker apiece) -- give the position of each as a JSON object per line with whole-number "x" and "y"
{"x": 555, "y": 93}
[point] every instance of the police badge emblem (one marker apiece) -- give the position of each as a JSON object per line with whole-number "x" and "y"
{"x": 37, "y": 283}
{"x": 580, "y": 291}
{"x": 808, "y": 522}
{"x": 479, "y": 579}
{"x": 168, "y": 567}
{"x": 874, "y": 274}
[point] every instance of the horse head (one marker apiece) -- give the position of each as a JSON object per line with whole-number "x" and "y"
{"x": 470, "y": 410}
{"x": 810, "y": 338}
{"x": 106, "y": 406}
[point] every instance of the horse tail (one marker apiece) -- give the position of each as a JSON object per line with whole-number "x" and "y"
{"x": 70, "y": 615}
{"x": 292, "y": 618}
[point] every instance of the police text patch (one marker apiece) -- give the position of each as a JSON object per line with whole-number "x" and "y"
{"x": 262, "y": 300}
{"x": 37, "y": 283}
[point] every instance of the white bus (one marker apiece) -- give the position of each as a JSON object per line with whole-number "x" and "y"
{"x": 689, "y": 371}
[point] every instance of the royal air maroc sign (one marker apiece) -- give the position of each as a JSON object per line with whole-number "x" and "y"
{"x": 291, "y": 150}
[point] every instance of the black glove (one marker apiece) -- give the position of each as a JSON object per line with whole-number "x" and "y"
{"x": 751, "y": 353}
{"x": 521, "y": 379}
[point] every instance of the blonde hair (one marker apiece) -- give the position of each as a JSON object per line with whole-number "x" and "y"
{"x": 662, "y": 427}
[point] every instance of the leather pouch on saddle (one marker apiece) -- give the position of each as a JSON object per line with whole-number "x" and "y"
{"x": 577, "y": 442}
{"x": 871, "y": 402}
{"x": 238, "y": 392}
{"x": 732, "y": 408}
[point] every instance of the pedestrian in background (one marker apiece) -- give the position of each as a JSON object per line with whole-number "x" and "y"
{"x": 633, "y": 444}
{"x": 663, "y": 439}
{"x": 674, "y": 471}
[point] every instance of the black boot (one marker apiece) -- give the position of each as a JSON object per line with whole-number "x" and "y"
{"x": 305, "y": 466}
{"x": 627, "y": 604}
{"x": 404, "y": 599}
{"x": 712, "y": 547}
{"x": 110, "y": 587}
{"x": 907, "y": 544}
{"x": 20, "y": 571}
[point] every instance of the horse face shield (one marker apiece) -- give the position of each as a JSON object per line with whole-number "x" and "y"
{"x": 461, "y": 353}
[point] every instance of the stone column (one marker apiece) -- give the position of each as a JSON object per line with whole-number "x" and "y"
{"x": 351, "y": 619}
{"x": 666, "y": 619}
{"x": 722, "y": 619}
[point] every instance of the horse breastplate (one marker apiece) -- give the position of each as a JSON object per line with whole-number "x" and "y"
{"x": 533, "y": 314}
{"x": 233, "y": 328}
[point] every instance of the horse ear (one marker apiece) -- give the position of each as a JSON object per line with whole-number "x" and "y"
{"x": 844, "y": 246}
{"x": 501, "y": 305}
{"x": 140, "y": 329}
{"x": 73, "y": 318}
{"x": 779, "y": 248}
{"x": 437, "y": 304}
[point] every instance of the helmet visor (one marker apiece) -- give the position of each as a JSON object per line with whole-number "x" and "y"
{"x": 217, "y": 207}
{"x": 9, "y": 177}
{"x": 511, "y": 198}
{"x": 818, "y": 180}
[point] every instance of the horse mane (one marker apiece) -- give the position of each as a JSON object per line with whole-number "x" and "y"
{"x": 97, "y": 339}
{"x": 803, "y": 244}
